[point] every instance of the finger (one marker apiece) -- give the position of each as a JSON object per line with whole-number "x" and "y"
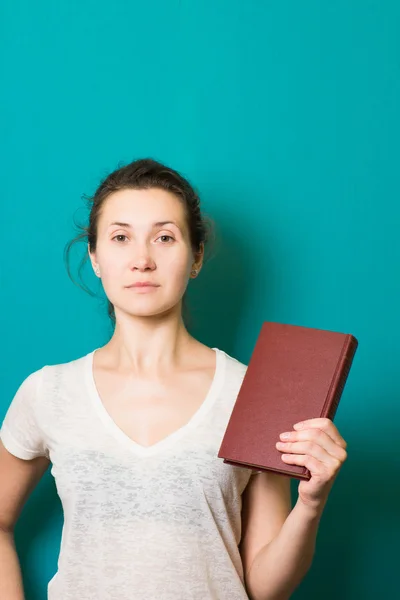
{"x": 325, "y": 425}
{"x": 315, "y": 466}
{"x": 313, "y": 449}
{"x": 317, "y": 436}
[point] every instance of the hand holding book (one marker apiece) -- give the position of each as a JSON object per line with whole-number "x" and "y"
{"x": 317, "y": 445}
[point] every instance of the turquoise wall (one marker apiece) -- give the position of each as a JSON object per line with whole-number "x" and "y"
{"x": 285, "y": 115}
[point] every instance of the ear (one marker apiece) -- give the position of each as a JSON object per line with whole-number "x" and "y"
{"x": 199, "y": 257}
{"x": 92, "y": 257}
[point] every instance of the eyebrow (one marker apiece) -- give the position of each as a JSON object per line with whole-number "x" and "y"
{"x": 157, "y": 224}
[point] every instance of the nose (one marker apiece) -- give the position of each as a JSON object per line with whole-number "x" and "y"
{"x": 143, "y": 260}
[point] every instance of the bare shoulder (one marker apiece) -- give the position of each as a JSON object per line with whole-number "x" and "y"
{"x": 203, "y": 355}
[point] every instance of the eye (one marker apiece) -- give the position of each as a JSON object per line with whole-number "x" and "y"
{"x": 166, "y": 236}
{"x": 120, "y": 235}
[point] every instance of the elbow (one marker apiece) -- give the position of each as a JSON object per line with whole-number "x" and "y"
{"x": 6, "y": 529}
{"x": 275, "y": 590}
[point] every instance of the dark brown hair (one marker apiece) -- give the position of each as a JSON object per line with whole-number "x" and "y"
{"x": 141, "y": 174}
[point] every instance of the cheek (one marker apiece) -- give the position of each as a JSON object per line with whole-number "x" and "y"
{"x": 179, "y": 266}
{"x": 111, "y": 269}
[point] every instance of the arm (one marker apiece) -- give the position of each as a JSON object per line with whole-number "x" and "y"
{"x": 10, "y": 572}
{"x": 17, "y": 480}
{"x": 279, "y": 543}
{"x": 279, "y": 566}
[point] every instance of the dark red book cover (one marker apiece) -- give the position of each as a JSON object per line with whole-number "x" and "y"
{"x": 294, "y": 373}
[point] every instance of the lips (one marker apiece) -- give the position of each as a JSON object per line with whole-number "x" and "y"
{"x": 143, "y": 284}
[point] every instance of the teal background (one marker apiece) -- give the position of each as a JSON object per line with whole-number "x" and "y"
{"x": 285, "y": 116}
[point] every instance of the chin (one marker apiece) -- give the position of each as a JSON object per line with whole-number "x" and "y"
{"x": 150, "y": 309}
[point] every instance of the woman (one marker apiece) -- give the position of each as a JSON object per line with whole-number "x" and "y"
{"x": 133, "y": 428}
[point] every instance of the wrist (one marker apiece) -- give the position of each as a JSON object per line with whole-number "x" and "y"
{"x": 310, "y": 511}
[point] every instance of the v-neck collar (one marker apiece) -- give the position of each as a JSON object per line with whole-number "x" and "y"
{"x": 171, "y": 438}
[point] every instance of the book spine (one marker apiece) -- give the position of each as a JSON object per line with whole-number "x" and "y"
{"x": 341, "y": 375}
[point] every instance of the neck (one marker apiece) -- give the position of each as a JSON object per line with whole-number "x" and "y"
{"x": 148, "y": 344}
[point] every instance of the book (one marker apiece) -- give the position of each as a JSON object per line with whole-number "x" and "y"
{"x": 294, "y": 373}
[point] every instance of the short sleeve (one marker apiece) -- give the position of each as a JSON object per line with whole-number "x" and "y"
{"x": 20, "y": 432}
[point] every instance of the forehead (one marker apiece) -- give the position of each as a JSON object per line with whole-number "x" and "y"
{"x": 142, "y": 207}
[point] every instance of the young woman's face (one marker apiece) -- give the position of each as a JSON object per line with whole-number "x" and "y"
{"x": 142, "y": 236}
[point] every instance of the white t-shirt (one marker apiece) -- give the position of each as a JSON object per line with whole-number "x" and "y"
{"x": 140, "y": 523}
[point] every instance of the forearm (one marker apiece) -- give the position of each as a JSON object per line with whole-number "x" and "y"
{"x": 280, "y": 566}
{"x": 11, "y": 586}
